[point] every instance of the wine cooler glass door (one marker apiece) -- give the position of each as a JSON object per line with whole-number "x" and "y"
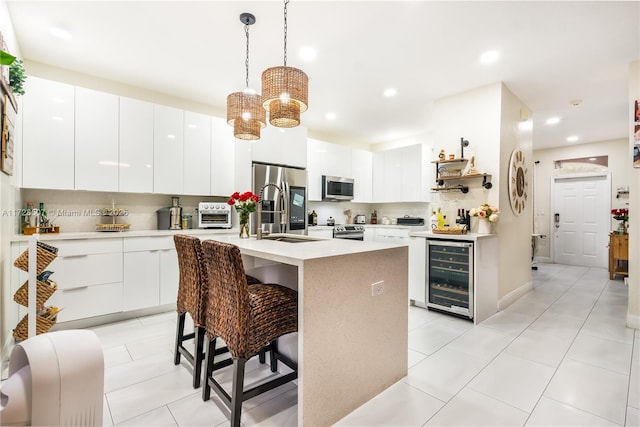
{"x": 450, "y": 276}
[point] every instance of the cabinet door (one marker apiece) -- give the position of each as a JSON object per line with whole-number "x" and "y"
{"x": 47, "y": 138}
{"x": 96, "y": 140}
{"x": 417, "y": 263}
{"x": 136, "y": 146}
{"x": 325, "y": 233}
{"x": 281, "y": 146}
{"x": 415, "y": 169}
{"x": 168, "y": 150}
{"x": 141, "y": 279}
{"x": 197, "y": 154}
{"x": 362, "y": 172}
{"x": 169, "y": 276}
{"x": 223, "y": 149}
{"x": 387, "y": 176}
{"x": 369, "y": 234}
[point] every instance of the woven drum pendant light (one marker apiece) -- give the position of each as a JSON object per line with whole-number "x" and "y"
{"x": 285, "y": 90}
{"x": 244, "y": 109}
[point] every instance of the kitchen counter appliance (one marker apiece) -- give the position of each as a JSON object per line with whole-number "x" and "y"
{"x": 361, "y": 219}
{"x": 214, "y": 215}
{"x": 350, "y": 232}
{"x": 407, "y": 220}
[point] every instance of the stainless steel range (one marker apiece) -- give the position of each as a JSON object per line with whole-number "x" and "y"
{"x": 351, "y": 232}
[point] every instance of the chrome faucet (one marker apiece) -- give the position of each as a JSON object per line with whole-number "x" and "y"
{"x": 283, "y": 211}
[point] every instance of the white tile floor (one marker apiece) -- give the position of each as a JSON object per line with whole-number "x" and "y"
{"x": 560, "y": 356}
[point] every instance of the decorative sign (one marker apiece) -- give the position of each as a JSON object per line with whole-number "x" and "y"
{"x": 518, "y": 182}
{"x": 8, "y": 125}
{"x": 636, "y": 135}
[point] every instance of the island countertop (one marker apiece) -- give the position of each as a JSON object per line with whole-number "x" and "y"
{"x": 297, "y": 253}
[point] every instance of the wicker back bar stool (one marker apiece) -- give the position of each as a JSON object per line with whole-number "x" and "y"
{"x": 249, "y": 319}
{"x": 191, "y": 299}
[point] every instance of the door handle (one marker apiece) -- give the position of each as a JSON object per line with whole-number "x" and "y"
{"x": 556, "y": 219}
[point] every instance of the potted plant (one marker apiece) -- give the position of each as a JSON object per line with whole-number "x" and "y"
{"x": 17, "y": 75}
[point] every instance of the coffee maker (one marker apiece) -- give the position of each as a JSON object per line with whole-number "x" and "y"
{"x": 176, "y": 214}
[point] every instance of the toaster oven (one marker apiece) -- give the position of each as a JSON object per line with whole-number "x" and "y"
{"x": 214, "y": 215}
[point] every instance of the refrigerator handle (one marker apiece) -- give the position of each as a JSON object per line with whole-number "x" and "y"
{"x": 284, "y": 216}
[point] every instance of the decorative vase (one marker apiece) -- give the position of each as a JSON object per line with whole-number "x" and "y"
{"x": 622, "y": 228}
{"x": 244, "y": 225}
{"x": 484, "y": 227}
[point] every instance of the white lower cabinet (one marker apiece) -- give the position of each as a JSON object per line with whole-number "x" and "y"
{"x": 326, "y": 233}
{"x": 417, "y": 269}
{"x": 150, "y": 272}
{"x": 89, "y": 278}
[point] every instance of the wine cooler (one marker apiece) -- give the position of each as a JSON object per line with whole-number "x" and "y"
{"x": 450, "y": 276}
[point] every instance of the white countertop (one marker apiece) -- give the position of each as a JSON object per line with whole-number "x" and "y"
{"x": 410, "y": 227}
{"x": 469, "y": 237}
{"x": 297, "y": 253}
{"x": 128, "y": 233}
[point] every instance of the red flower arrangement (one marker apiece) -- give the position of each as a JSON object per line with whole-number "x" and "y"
{"x": 621, "y": 215}
{"x": 245, "y": 204}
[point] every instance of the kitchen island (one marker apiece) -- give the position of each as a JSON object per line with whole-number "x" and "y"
{"x": 351, "y": 345}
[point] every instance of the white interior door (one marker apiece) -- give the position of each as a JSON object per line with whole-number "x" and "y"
{"x": 580, "y": 220}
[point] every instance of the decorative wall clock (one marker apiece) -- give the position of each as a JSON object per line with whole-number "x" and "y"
{"x": 518, "y": 182}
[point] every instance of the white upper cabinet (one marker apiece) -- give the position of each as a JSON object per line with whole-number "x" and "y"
{"x": 362, "y": 174}
{"x": 324, "y": 158}
{"x": 136, "y": 146}
{"x": 168, "y": 150}
{"x": 223, "y": 146}
{"x": 197, "y": 154}
{"x": 281, "y": 146}
{"x": 96, "y": 140}
{"x": 400, "y": 175}
{"x": 415, "y": 170}
{"x": 47, "y": 138}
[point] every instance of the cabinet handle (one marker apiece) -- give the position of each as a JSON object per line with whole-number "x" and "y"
{"x": 75, "y": 256}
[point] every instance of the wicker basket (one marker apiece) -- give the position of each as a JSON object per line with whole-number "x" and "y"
{"x": 21, "y": 332}
{"x": 449, "y": 230}
{"x": 45, "y": 256}
{"x": 44, "y": 290}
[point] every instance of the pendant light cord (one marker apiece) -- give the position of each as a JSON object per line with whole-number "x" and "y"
{"x": 246, "y": 61}
{"x": 286, "y": 2}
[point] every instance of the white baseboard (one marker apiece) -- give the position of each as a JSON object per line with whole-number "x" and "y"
{"x": 514, "y": 295}
{"x": 633, "y": 321}
{"x": 543, "y": 259}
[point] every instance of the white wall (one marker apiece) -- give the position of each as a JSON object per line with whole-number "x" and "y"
{"x": 544, "y": 172}
{"x": 633, "y": 312}
{"x": 490, "y": 118}
{"x": 8, "y": 194}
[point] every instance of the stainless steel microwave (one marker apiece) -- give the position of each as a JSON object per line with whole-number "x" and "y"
{"x": 336, "y": 189}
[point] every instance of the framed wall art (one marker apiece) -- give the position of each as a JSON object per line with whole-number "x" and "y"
{"x": 8, "y": 126}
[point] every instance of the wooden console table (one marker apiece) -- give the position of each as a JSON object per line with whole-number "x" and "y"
{"x": 618, "y": 255}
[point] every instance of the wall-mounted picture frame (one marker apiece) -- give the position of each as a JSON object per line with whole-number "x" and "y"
{"x": 8, "y": 126}
{"x": 636, "y": 135}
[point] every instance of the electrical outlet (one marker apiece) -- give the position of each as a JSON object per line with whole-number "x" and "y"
{"x": 377, "y": 288}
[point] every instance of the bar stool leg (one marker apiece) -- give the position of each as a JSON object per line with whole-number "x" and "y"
{"x": 198, "y": 356}
{"x": 210, "y": 353}
{"x": 179, "y": 338}
{"x": 273, "y": 360}
{"x": 236, "y": 392}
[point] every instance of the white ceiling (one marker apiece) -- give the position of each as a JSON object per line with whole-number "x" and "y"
{"x": 550, "y": 54}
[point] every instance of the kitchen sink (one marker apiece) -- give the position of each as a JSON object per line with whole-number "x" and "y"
{"x": 289, "y": 238}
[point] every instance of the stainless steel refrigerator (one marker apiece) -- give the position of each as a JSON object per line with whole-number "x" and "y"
{"x": 283, "y": 198}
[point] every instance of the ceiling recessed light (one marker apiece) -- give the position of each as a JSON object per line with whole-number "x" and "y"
{"x": 572, "y": 138}
{"x": 60, "y": 33}
{"x": 489, "y": 56}
{"x": 307, "y": 53}
{"x": 330, "y": 116}
{"x": 553, "y": 120}
{"x": 390, "y": 92}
